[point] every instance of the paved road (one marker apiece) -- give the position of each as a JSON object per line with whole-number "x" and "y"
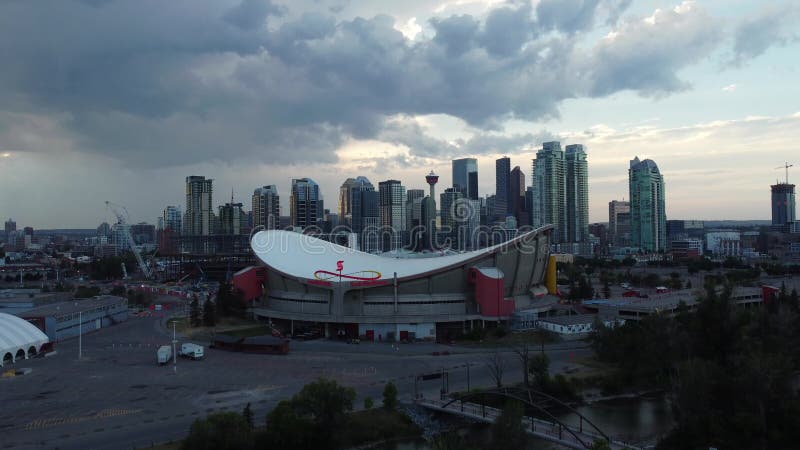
{"x": 116, "y": 396}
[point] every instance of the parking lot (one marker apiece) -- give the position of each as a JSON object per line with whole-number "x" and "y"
{"x": 116, "y": 395}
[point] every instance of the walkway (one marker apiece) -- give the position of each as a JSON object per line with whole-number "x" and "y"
{"x": 543, "y": 429}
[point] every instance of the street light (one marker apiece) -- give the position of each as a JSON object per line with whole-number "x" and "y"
{"x": 174, "y": 353}
{"x": 80, "y": 334}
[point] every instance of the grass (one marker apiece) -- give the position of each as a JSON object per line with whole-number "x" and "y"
{"x": 258, "y": 330}
{"x": 533, "y": 338}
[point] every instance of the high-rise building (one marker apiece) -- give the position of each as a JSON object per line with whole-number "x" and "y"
{"x": 561, "y": 191}
{"x": 618, "y": 226}
{"x": 516, "y": 196}
{"x": 392, "y": 199}
{"x": 783, "y": 205}
{"x": 266, "y": 207}
{"x": 502, "y": 206}
{"x": 198, "y": 218}
{"x": 231, "y": 217}
{"x": 549, "y": 185}
{"x": 648, "y": 217}
{"x": 450, "y": 222}
{"x": 171, "y": 219}
{"x": 414, "y": 205}
{"x": 305, "y": 203}
{"x": 119, "y": 237}
{"x": 465, "y": 177}
{"x": 576, "y": 176}
{"x": 143, "y": 233}
{"x": 11, "y": 226}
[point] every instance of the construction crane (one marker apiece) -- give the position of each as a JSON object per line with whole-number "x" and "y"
{"x": 786, "y": 167}
{"x": 122, "y": 219}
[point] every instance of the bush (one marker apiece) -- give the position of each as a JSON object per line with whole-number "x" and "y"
{"x": 368, "y": 403}
{"x": 390, "y": 396}
{"x": 218, "y": 431}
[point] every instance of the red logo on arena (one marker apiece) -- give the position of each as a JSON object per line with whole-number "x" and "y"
{"x": 362, "y": 275}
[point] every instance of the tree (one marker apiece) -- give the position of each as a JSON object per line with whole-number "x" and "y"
{"x": 209, "y": 313}
{"x": 539, "y": 367}
{"x": 390, "y": 396}
{"x": 497, "y": 367}
{"x": 247, "y": 413}
{"x": 286, "y": 428}
{"x": 368, "y": 403}
{"x": 218, "y": 431}
{"x": 508, "y": 431}
{"x": 606, "y": 289}
{"x": 194, "y": 312}
{"x": 523, "y": 353}
{"x": 326, "y": 403}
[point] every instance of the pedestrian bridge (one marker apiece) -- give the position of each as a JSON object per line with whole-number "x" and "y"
{"x": 580, "y": 437}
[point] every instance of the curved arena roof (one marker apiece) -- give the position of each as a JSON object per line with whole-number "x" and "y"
{"x": 305, "y": 256}
{"x": 18, "y": 334}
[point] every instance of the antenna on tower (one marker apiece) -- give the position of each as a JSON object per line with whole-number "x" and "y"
{"x": 786, "y": 166}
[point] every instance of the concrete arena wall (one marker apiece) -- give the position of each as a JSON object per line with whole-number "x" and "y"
{"x": 445, "y": 295}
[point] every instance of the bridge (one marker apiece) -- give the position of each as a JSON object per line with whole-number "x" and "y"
{"x": 554, "y": 430}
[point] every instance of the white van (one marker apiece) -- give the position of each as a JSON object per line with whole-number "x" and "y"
{"x": 189, "y": 350}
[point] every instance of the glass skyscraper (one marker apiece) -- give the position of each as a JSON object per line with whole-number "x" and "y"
{"x": 465, "y": 177}
{"x": 648, "y": 217}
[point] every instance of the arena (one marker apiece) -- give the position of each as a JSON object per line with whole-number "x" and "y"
{"x": 311, "y": 284}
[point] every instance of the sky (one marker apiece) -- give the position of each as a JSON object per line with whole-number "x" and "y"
{"x": 120, "y": 100}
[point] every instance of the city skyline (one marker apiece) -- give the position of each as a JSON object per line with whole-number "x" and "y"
{"x": 720, "y": 84}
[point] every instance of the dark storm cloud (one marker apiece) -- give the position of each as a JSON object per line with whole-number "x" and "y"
{"x": 775, "y": 25}
{"x": 157, "y": 83}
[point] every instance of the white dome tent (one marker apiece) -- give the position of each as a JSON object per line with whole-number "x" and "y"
{"x": 19, "y": 339}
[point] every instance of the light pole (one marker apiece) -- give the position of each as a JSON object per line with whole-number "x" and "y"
{"x": 80, "y": 334}
{"x": 174, "y": 353}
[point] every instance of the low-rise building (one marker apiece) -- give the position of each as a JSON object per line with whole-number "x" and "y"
{"x": 69, "y": 319}
{"x": 576, "y": 325}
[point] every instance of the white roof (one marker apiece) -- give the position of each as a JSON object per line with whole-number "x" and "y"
{"x": 19, "y": 334}
{"x": 305, "y": 256}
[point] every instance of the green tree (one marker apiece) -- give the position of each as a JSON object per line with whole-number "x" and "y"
{"x": 368, "y": 403}
{"x": 600, "y": 444}
{"x": 507, "y": 431}
{"x": 209, "y": 313}
{"x": 194, "y": 312}
{"x": 247, "y": 413}
{"x": 539, "y": 368}
{"x": 450, "y": 440}
{"x": 326, "y": 403}
{"x": 390, "y": 396}
{"x": 287, "y": 428}
{"x": 218, "y": 431}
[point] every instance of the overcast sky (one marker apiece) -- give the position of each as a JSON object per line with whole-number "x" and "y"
{"x": 121, "y": 100}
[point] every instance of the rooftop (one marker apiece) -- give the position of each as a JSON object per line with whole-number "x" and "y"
{"x": 73, "y": 306}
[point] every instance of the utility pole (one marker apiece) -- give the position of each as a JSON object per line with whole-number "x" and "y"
{"x": 80, "y": 334}
{"x": 174, "y": 353}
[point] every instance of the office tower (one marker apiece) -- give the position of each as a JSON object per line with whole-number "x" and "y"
{"x": 266, "y": 208}
{"x": 516, "y": 197}
{"x": 465, "y": 177}
{"x": 104, "y": 231}
{"x": 577, "y": 193}
{"x": 11, "y": 226}
{"x": 392, "y": 199}
{"x": 529, "y": 202}
{"x": 198, "y": 220}
{"x": 345, "y": 210}
{"x": 414, "y": 204}
{"x": 648, "y": 218}
{"x": 783, "y": 205}
{"x": 364, "y": 213}
{"x": 619, "y": 227}
{"x": 143, "y": 233}
{"x": 447, "y": 210}
{"x": 304, "y": 203}
{"x": 119, "y": 237}
{"x": 502, "y": 189}
{"x": 549, "y": 185}
{"x": 230, "y": 219}
{"x": 171, "y": 219}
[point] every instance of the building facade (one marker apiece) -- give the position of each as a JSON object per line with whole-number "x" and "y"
{"x": 516, "y": 196}
{"x": 619, "y": 221}
{"x": 465, "y": 177}
{"x": 392, "y": 205}
{"x": 648, "y": 217}
{"x": 266, "y": 207}
{"x": 305, "y": 203}
{"x": 502, "y": 188}
{"x": 576, "y": 174}
{"x": 549, "y": 190}
{"x": 198, "y": 218}
{"x": 783, "y": 204}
